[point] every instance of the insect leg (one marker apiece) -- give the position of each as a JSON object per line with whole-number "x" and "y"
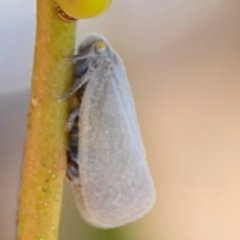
{"x": 72, "y": 117}
{"x": 72, "y": 154}
{"x": 72, "y": 151}
{"x": 77, "y": 84}
{"x": 73, "y": 129}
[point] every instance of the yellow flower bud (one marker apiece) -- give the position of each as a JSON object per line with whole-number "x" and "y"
{"x": 79, "y": 9}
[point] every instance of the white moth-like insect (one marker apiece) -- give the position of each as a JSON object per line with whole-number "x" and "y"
{"x": 106, "y": 158}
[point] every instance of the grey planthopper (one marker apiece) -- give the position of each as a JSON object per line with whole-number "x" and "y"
{"x": 106, "y": 159}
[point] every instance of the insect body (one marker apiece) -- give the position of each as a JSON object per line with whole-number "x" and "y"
{"x": 106, "y": 165}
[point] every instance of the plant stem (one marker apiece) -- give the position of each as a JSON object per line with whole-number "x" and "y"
{"x": 44, "y": 161}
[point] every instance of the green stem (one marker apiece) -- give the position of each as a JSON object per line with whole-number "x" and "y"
{"x": 44, "y": 161}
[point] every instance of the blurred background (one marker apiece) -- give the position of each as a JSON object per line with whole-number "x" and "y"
{"x": 182, "y": 59}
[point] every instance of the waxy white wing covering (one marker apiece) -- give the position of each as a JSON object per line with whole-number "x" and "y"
{"x": 116, "y": 187}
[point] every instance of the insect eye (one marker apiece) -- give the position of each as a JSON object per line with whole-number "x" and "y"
{"x": 100, "y": 47}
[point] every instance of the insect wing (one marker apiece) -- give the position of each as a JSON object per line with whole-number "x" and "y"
{"x": 116, "y": 186}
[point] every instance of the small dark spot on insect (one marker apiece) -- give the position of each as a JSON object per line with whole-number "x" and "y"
{"x": 64, "y": 16}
